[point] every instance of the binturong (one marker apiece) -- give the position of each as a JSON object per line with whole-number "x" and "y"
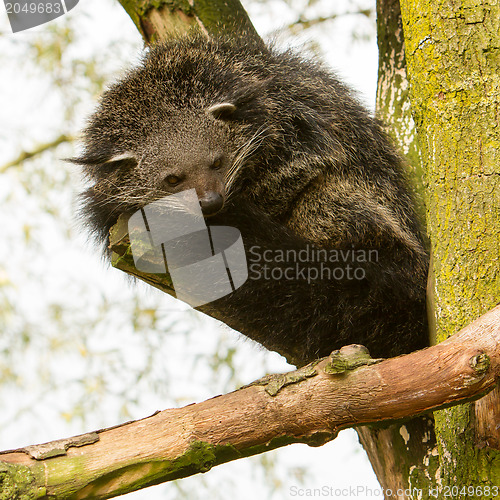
{"x": 276, "y": 146}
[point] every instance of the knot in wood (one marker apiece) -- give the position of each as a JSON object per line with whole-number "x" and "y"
{"x": 480, "y": 363}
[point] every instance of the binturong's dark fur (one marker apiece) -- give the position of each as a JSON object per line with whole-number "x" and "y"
{"x": 277, "y": 147}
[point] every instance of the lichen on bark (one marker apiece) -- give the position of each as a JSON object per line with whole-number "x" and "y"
{"x": 453, "y": 58}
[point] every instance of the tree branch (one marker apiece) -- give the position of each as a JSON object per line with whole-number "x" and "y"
{"x": 309, "y": 405}
{"x": 26, "y": 155}
{"x": 163, "y": 19}
{"x": 306, "y": 23}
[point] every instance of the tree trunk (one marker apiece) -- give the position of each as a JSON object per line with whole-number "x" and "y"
{"x": 393, "y": 97}
{"x": 160, "y": 19}
{"x": 453, "y": 59}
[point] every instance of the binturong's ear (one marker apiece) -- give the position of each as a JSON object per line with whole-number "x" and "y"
{"x": 102, "y": 158}
{"x": 222, "y": 110}
{"x": 97, "y": 165}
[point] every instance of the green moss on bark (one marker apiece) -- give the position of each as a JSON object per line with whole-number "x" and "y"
{"x": 18, "y": 482}
{"x": 393, "y": 99}
{"x": 453, "y": 57}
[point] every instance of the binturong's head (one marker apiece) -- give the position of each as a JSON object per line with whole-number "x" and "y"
{"x": 178, "y": 121}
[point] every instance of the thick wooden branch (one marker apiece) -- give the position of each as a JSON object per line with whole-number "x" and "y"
{"x": 309, "y": 405}
{"x": 487, "y": 420}
{"x": 162, "y": 19}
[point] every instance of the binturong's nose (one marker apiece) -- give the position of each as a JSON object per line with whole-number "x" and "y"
{"x": 211, "y": 203}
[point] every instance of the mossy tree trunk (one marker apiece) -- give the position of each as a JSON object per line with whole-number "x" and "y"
{"x": 453, "y": 65}
{"x": 393, "y": 106}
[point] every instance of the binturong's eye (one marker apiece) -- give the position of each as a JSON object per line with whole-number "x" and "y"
{"x": 173, "y": 180}
{"x": 217, "y": 164}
